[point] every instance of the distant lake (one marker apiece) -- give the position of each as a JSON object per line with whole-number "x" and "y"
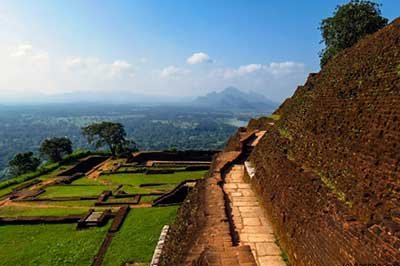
{"x": 236, "y": 122}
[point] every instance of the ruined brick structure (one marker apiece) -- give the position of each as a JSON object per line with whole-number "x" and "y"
{"x": 328, "y": 170}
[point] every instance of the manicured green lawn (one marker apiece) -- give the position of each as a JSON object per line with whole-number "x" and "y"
{"x": 53, "y": 173}
{"x": 6, "y": 190}
{"x": 147, "y": 199}
{"x": 49, "y": 244}
{"x": 62, "y": 244}
{"x": 86, "y": 181}
{"x": 43, "y": 177}
{"x": 69, "y": 191}
{"x": 131, "y": 182}
{"x": 69, "y": 203}
{"x": 132, "y": 189}
{"x": 138, "y": 236}
{"x": 13, "y": 211}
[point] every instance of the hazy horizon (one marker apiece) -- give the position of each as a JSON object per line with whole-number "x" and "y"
{"x": 110, "y": 98}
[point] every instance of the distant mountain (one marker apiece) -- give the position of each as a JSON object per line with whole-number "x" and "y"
{"x": 233, "y": 99}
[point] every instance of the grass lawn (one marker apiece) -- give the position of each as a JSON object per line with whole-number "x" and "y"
{"x": 138, "y": 236}
{"x": 132, "y": 189}
{"x": 13, "y": 211}
{"x": 69, "y": 203}
{"x": 62, "y": 244}
{"x": 86, "y": 181}
{"x": 6, "y": 190}
{"x": 53, "y": 173}
{"x": 49, "y": 244}
{"x": 131, "y": 182}
{"x": 43, "y": 177}
{"x": 69, "y": 191}
{"x": 147, "y": 199}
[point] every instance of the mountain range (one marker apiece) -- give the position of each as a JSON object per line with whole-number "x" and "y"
{"x": 228, "y": 99}
{"x": 233, "y": 99}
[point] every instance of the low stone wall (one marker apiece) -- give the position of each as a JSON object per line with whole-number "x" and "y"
{"x": 189, "y": 155}
{"x": 66, "y": 180}
{"x": 119, "y": 218}
{"x": 184, "y": 231}
{"x": 115, "y": 226}
{"x": 26, "y": 194}
{"x": 72, "y": 198}
{"x": 27, "y": 184}
{"x": 40, "y": 219}
{"x": 160, "y": 245}
{"x": 175, "y": 196}
{"x": 84, "y": 165}
{"x": 159, "y": 171}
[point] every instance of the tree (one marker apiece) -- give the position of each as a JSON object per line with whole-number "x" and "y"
{"x": 108, "y": 134}
{"x": 349, "y": 23}
{"x": 23, "y": 163}
{"x": 126, "y": 149}
{"x": 56, "y": 148}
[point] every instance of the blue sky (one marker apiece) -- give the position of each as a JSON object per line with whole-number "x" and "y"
{"x": 172, "y": 48}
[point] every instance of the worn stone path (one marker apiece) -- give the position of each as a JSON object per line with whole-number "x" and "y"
{"x": 214, "y": 245}
{"x": 250, "y": 219}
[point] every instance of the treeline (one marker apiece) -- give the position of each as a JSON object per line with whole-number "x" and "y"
{"x": 56, "y": 149}
{"x": 158, "y": 128}
{"x": 46, "y": 168}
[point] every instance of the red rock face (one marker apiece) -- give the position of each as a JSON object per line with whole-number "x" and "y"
{"x": 329, "y": 169}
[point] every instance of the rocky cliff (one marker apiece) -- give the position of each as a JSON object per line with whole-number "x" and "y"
{"x": 328, "y": 168}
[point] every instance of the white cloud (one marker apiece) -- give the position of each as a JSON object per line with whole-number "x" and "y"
{"x": 198, "y": 58}
{"x": 24, "y": 69}
{"x": 73, "y": 62}
{"x": 120, "y": 67}
{"x": 22, "y": 50}
{"x": 173, "y": 72}
{"x": 27, "y": 52}
{"x": 95, "y": 68}
{"x": 275, "y": 69}
{"x": 242, "y": 70}
{"x": 28, "y": 71}
{"x": 285, "y": 67}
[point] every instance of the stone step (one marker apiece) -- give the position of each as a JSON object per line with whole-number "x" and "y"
{"x": 230, "y": 256}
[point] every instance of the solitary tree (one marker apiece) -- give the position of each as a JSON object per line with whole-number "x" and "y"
{"x": 108, "y": 134}
{"x": 56, "y": 148}
{"x": 349, "y": 23}
{"x": 23, "y": 163}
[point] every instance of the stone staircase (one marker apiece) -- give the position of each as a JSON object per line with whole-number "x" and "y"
{"x": 215, "y": 245}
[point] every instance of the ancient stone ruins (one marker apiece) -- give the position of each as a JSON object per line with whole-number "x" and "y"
{"x": 131, "y": 187}
{"x": 316, "y": 183}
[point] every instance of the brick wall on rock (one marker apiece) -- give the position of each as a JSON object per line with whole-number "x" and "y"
{"x": 329, "y": 170}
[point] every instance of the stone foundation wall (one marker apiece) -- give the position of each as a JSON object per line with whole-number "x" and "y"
{"x": 329, "y": 169}
{"x": 84, "y": 165}
{"x": 189, "y": 155}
